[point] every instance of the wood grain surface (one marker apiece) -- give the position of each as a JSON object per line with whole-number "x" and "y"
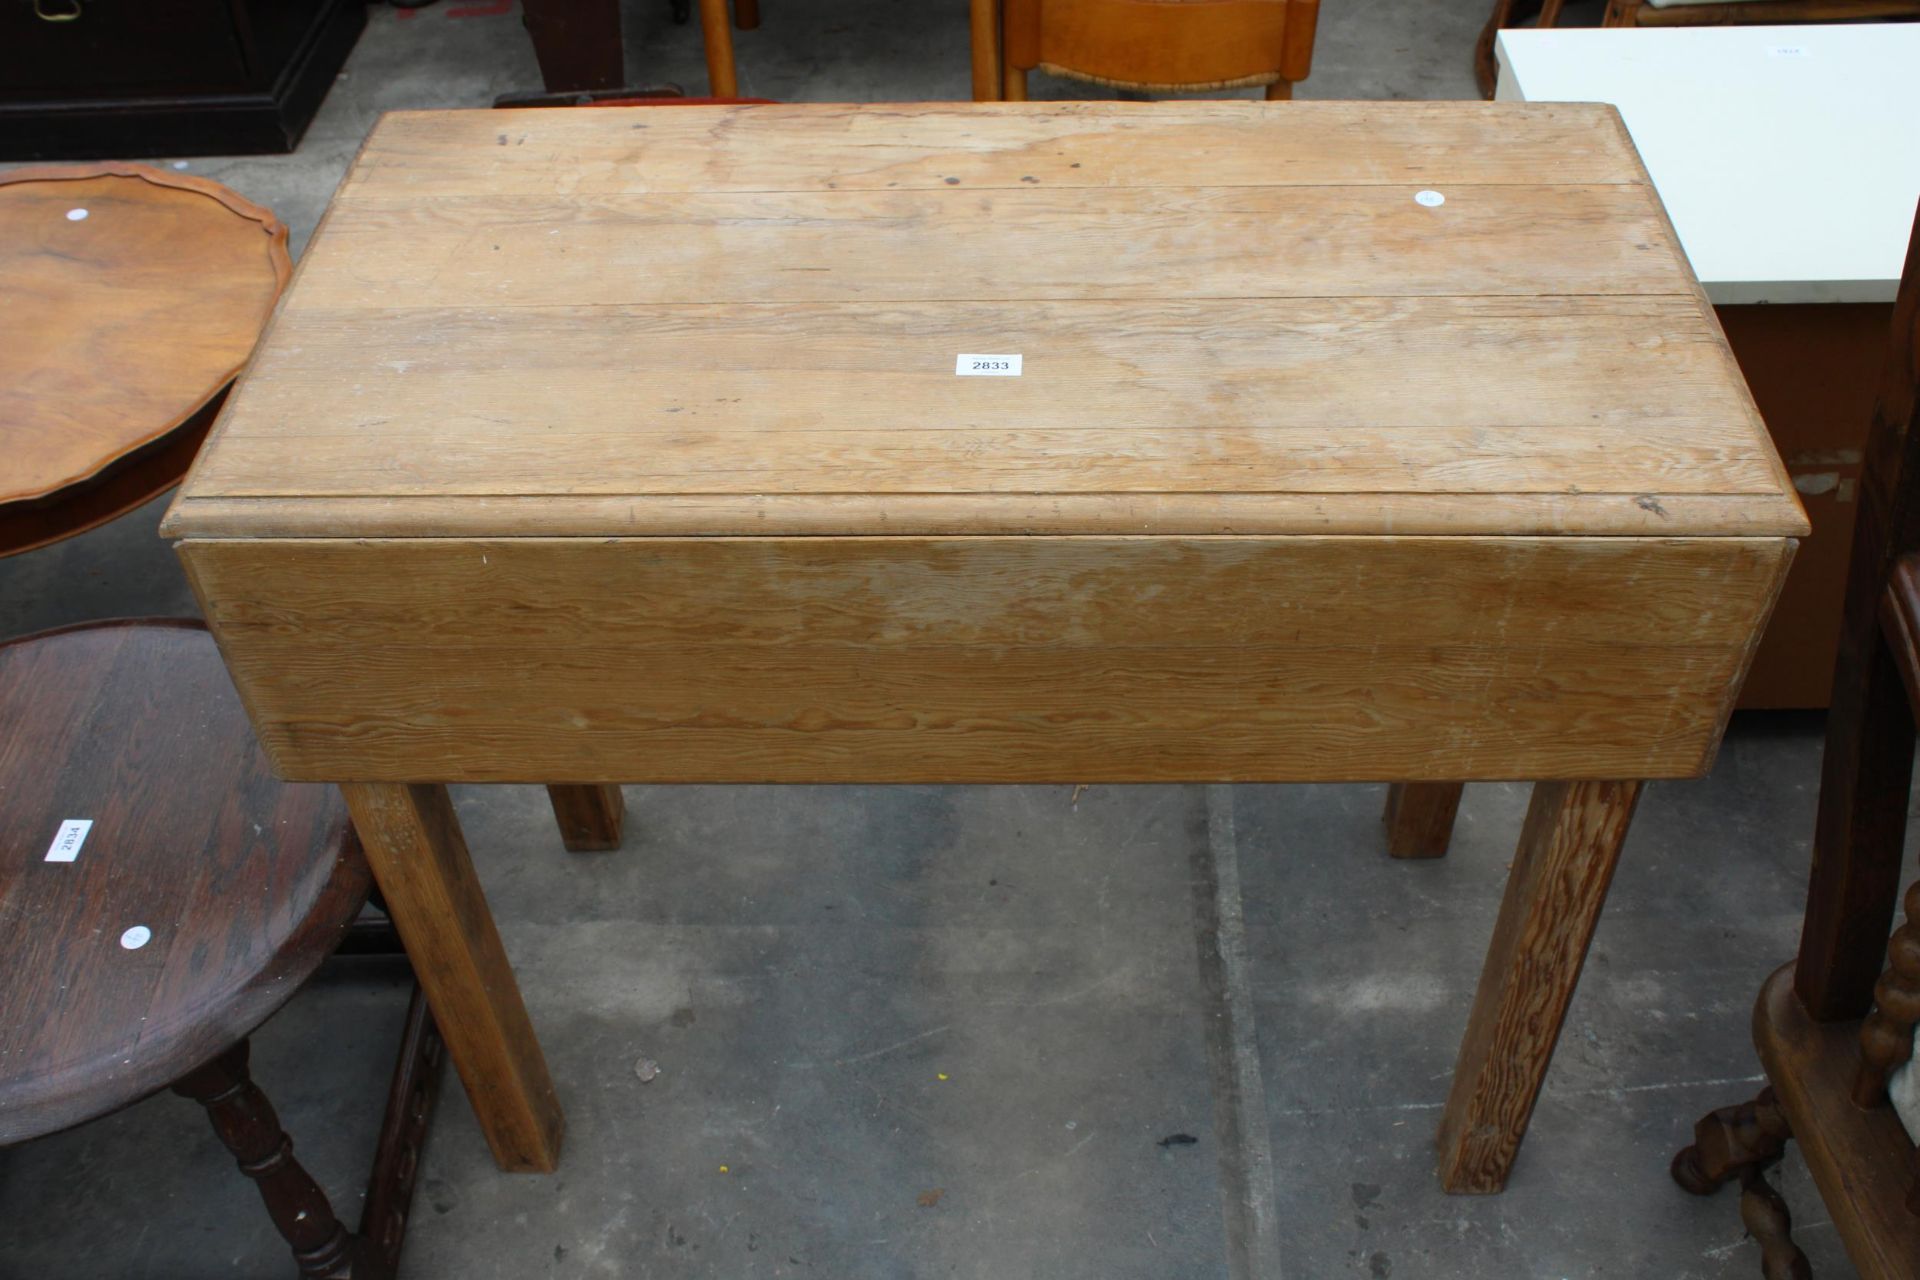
{"x": 118, "y": 325}
{"x": 590, "y": 152}
{"x": 475, "y": 514}
{"x": 591, "y": 817}
{"x": 986, "y": 659}
{"x": 244, "y": 884}
{"x": 419, "y": 856}
{"x": 1419, "y": 818}
{"x": 1568, "y": 850}
{"x": 1233, "y": 318}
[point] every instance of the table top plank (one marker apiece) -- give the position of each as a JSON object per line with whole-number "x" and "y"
{"x": 1321, "y": 396}
{"x": 955, "y": 245}
{"x": 1206, "y": 355}
{"x": 441, "y": 154}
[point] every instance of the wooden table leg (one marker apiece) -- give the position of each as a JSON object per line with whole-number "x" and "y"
{"x": 419, "y": 858}
{"x": 590, "y": 815}
{"x": 1419, "y": 818}
{"x": 1561, "y": 870}
{"x": 716, "y": 30}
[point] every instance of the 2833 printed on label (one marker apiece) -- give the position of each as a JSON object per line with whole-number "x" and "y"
{"x": 969, "y": 365}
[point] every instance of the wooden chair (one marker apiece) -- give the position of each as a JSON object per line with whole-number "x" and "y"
{"x": 1156, "y": 46}
{"x": 1831, "y": 1027}
{"x": 164, "y": 896}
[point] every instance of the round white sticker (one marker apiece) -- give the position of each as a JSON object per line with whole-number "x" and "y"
{"x": 1431, "y": 199}
{"x": 136, "y": 937}
{"x": 76, "y": 215}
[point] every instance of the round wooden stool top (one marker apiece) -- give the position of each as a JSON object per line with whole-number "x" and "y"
{"x": 203, "y": 895}
{"x": 132, "y": 297}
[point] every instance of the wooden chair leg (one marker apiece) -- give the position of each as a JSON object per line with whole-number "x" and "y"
{"x": 1763, "y": 1211}
{"x": 1419, "y": 818}
{"x": 1859, "y": 835}
{"x": 1729, "y": 1140}
{"x": 411, "y": 1098}
{"x": 419, "y": 858}
{"x": 746, "y": 14}
{"x": 1741, "y": 1142}
{"x": 1485, "y": 68}
{"x": 1568, "y": 849}
{"x": 985, "y": 18}
{"x": 1013, "y": 86}
{"x": 1280, "y": 91}
{"x": 716, "y": 33}
{"x": 576, "y": 43}
{"x": 247, "y": 1125}
{"x": 1550, "y": 13}
{"x": 590, "y": 815}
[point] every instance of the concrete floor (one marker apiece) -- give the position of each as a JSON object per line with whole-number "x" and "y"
{"x": 862, "y": 996}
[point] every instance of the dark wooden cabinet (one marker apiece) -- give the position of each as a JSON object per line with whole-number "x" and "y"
{"x": 130, "y": 78}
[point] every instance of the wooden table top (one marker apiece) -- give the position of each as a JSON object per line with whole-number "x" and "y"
{"x": 132, "y": 297}
{"x": 1232, "y": 317}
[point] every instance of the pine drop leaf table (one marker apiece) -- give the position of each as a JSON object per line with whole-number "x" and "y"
{"x": 1071, "y": 442}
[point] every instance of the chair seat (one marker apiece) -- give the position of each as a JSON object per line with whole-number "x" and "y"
{"x": 202, "y": 896}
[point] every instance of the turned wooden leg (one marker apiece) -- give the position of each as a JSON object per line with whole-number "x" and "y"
{"x": 716, "y": 33}
{"x": 1419, "y": 818}
{"x": 1729, "y": 1140}
{"x": 419, "y": 858}
{"x": 590, "y": 815}
{"x": 1013, "y": 86}
{"x": 1280, "y": 91}
{"x": 1568, "y": 849}
{"x": 246, "y": 1123}
{"x": 746, "y": 14}
{"x": 1742, "y": 1141}
{"x": 1886, "y": 1036}
{"x": 1763, "y": 1211}
{"x": 985, "y": 17}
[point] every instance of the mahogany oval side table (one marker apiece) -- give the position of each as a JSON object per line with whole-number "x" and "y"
{"x": 163, "y": 896}
{"x": 134, "y": 295}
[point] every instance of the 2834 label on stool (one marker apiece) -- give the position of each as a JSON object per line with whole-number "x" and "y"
{"x": 67, "y": 841}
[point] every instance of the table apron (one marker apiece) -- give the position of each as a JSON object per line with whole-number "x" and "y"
{"x": 987, "y": 659}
